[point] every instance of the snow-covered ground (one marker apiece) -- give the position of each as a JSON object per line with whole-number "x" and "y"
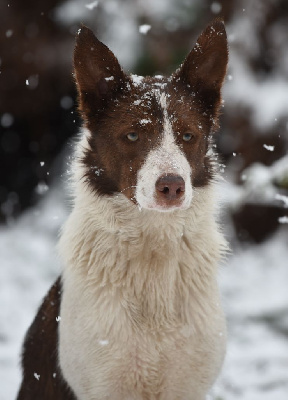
{"x": 254, "y": 284}
{"x": 28, "y": 266}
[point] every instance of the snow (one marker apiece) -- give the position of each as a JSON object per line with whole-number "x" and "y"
{"x": 123, "y": 27}
{"x": 9, "y": 33}
{"x": 32, "y": 82}
{"x": 282, "y": 198}
{"x": 137, "y": 102}
{"x": 137, "y": 79}
{"x": 216, "y": 7}
{"x": 259, "y": 184}
{"x": 92, "y": 5}
{"x": 254, "y": 284}
{"x": 97, "y": 171}
{"x": 269, "y": 148}
{"x": 144, "y": 29}
{"x": 145, "y": 121}
{"x": 253, "y": 281}
{"x": 36, "y": 376}
{"x": 109, "y": 78}
{"x": 41, "y": 188}
{"x": 66, "y": 102}
{"x": 266, "y": 98}
{"x": 29, "y": 265}
{"x": 7, "y": 120}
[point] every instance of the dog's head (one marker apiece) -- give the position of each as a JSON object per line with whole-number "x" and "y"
{"x": 150, "y": 138}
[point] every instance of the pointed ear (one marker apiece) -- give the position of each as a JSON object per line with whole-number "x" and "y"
{"x": 205, "y": 67}
{"x": 97, "y": 71}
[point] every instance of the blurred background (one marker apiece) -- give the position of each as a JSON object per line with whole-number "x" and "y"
{"x": 38, "y": 120}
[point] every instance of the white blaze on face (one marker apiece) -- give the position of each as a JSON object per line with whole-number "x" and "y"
{"x": 167, "y": 158}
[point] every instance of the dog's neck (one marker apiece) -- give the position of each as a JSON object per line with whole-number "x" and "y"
{"x": 156, "y": 260}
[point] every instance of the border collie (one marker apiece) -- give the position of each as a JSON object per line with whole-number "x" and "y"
{"x": 138, "y": 297}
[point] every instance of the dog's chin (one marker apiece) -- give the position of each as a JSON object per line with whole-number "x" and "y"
{"x": 164, "y": 208}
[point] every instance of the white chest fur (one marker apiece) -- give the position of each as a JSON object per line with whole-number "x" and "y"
{"x": 140, "y": 314}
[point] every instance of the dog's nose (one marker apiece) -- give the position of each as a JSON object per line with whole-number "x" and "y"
{"x": 170, "y": 188}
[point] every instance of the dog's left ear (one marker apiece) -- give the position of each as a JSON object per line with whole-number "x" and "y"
{"x": 97, "y": 72}
{"x": 205, "y": 67}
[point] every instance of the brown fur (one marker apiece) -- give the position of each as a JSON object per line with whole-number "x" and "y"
{"x": 40, "y": 354}
{"x": 109, "y": 104}
{"x": 109, "y": 110}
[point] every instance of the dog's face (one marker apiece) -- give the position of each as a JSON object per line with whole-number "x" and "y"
{"x": 150, "y": 138}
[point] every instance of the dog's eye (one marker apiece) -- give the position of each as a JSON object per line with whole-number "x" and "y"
{"x": 187, "y": 137}
{"x": 133, "y": 136}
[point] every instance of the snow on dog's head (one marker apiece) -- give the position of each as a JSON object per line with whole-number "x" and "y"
{"x": 150, "y": 138}
{"x": 164, "y": 180}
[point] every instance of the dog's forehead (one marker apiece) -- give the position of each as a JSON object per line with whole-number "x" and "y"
{"x": 147, "y": 91}
{"x": 157, "y": 96}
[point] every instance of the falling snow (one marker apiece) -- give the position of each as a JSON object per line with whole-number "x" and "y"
{"x": 282, "y": 198}
{"x": 7, "y": 120}
{"x": 9, "y": 33}
{"x": 93, "y": 5}
{"x": 144, "y": 29}
{"x": 253, "y": 279}
{"x": 269, "y": 148}
{"x": 283, "y": 220}
{"x": 36, "y": 376}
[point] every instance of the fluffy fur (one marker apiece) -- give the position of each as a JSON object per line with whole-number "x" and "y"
{"x": 140, "y": 314}
{"x": 140, "y": 311}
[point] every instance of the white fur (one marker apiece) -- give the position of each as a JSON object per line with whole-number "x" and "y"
{"x": 144, "y": 284}
{"x": 167, "y": 158}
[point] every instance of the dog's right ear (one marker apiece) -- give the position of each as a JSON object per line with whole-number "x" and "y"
{"x": 97, "y": 72}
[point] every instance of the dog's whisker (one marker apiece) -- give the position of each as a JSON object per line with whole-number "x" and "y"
{"x": 128, "y": 187}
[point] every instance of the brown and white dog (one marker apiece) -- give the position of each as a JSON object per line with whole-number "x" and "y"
{"x": 138, "y": 297}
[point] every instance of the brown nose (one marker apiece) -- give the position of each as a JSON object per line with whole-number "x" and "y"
{"x": 170, "y": 188}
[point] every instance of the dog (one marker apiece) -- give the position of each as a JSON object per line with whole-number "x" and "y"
{"x": 136, "y": 314}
